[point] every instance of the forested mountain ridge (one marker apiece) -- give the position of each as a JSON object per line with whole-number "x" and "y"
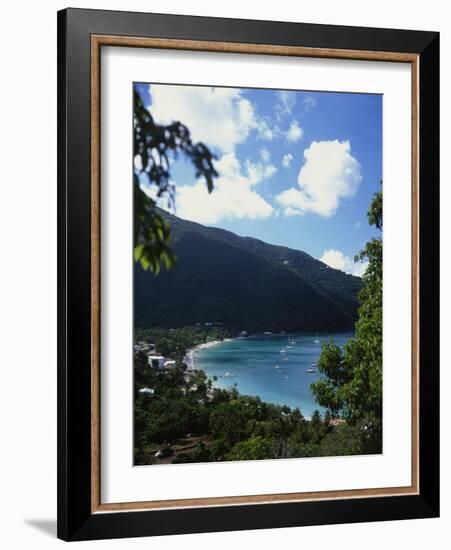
{"x": 243, "y": 284}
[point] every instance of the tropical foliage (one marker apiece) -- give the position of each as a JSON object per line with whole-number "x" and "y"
{"x": 154, "y": 147}
{"x": 186, "y": 419}
{"x": 353, "y": 384}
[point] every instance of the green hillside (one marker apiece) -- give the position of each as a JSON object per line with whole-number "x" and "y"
{"x": 244, "y": 284}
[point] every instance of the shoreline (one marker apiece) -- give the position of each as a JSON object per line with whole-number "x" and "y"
{"x": 189, "y": 357}
{"x": 192, "y": 367}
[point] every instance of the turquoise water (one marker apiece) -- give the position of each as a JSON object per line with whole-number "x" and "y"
{"x": 270, "y": 366}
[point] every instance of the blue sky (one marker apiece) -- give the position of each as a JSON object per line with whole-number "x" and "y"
{"x": 297, "y": 168}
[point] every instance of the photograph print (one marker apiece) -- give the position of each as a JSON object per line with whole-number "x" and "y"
{"x": 257, "y": 262}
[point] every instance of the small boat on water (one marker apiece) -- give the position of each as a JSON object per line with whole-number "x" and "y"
{"x": 228, "y": 375}
{"x": 310, "y": 370}
{"x": 316, "y": 340}
{"x": 277, "y": 367}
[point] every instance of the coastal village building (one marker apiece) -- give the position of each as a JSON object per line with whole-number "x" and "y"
{"x": 158, "y": 358}
{"x": 169, "y": 364}
{"x": 146, "y": 391}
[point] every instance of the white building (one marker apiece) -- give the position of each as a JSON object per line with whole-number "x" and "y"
{"x": 169, "y": 364}
{"x": 158, "y": 358}
{"x": 147, "y": 391}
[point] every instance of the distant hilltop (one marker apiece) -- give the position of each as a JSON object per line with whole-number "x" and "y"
{"x": 242, "y": 283}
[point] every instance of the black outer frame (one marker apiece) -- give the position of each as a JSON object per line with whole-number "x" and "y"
{"x": 75, "y": 521}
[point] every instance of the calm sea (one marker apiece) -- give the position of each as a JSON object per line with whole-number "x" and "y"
{"x": 277, "y": 368}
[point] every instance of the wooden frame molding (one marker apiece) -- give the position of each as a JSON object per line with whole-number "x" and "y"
{"x": 97, "y": 41}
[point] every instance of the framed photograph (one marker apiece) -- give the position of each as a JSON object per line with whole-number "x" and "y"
{"x": 248, "y": 274}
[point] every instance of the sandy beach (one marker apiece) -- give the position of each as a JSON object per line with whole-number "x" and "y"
{"x": 189, "y": 357}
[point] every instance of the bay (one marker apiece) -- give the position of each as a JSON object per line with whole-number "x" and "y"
{"x": 278, "y": 368}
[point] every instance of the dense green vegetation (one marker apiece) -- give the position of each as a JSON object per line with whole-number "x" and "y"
{"x": 185, "y": 419}
{"x": 233, "y": 284}
{"x": 175, "y": 343}
{"x": 188, "y": 420}
{"x": 244, "y": 284}
{"x": 353, "y": 388}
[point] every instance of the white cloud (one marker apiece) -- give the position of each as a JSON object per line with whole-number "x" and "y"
{"x": 265, "y": 154}
{"x": 359, "y": 269}
{"x": 295, "y": 132}
{"x": 337, "y": 260}
{"x": 329, "y": 174}
{"x": 234, "y": 195}
{"x": 309, "y": 102}
{"x": 289, "y": 212}
{"x": 259, "y": 171}
{"x": 264, "y": 130}
{"x": 285, "y": 103}
{"x": 219, "y": 117}
{"x": 286, "y": 160}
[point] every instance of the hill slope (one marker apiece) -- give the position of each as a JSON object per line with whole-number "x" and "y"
{"x": 243, "y": 283}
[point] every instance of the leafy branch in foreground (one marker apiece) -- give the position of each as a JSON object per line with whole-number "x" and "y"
{"x": 353, "y": 384}
{"x": 154, "y": 146}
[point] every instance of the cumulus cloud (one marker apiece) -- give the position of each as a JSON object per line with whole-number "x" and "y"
{"x": 329, "y": 174}
{"x": 295, "y": 132}
{"x": 359, "y": 269}
{"x": 337, "y": 260}
{"x": 219, "y": 117}
{"x": 286, "y": 160}
{"x": 259, "y": 171}
{"x": 234, "y": 197}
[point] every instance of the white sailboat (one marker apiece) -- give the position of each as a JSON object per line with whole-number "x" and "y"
{"x": 316, "y": 340}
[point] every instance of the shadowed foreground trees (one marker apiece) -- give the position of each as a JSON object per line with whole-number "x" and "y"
{"x": 194, "y": 422}
{"x": 353, "y": 388}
